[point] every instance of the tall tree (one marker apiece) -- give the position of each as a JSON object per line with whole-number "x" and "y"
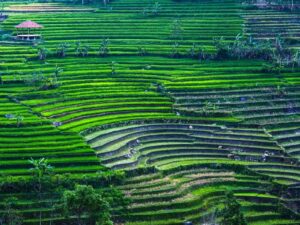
{"x": 57, "y": 71}
{"x": 176, "y": 29}
{"x": 42, "y": 53}
{"x": 41, "y": 170}
{"x": 62, "y": 49}
{"x": 10, "y": 214}
{"x": 86, "y": 202}
{"x": 104, "y": 49}
{"x": 232, "y": 214}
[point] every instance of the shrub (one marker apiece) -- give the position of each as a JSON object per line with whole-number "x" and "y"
{"x": 84, "y": 201}
{"x": 232, "y": 214}
{"x": 176, "y": 29}
{"x": 6, "y": 37}
{"x": 62, "y": 49}
{"x": 104, "y": 49}
{"x": 153, "y": 10}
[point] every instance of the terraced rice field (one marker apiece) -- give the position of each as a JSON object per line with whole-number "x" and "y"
{"x": 260, "y": 105}
{"x": 37, "y": 138}
{"x": 268, "y": 24}
{"x": 170, "y": 197}
{"x": 185, "y": 131}
{"x": 134, "y": 30}
{"x": 54, "y": 7}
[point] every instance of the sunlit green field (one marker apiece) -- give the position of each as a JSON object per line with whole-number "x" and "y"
{"x": 184, "y": 130}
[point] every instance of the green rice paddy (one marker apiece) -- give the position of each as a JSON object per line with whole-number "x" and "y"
{"x": 184, "y": 130}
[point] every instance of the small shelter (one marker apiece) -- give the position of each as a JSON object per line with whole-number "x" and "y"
{"x": 28, "y": 30}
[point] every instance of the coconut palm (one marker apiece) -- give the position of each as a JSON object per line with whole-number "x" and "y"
{"x": 19, "y": 119}
{"x": 156, "y": 8}
{"x": 81, "y": 50}
{"x": 62, "y": 49}
{"x": 141, "y": 51}
{"x": 113, "y": 67}
{"x": 40, "y": 169}
{"x": 175, "y": 50}
{"x": 57, "y": 71}
{"x": 176, "y": 29}
{"x": 77, "y": 48}
{"x": 296, "y": 59}
{"x": 103, "y": 49}
{"x": 42, "y": 53}
{"x": 193, "y": 51}
{"x": 85, "y": 50}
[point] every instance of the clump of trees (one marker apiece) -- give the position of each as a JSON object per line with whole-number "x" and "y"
{"x": 62, "y": 49}
{"x": 42, "y": 53}
{"x": 275, "y": 51}
{"x": 152, "y": 10}
{"x": 90, "y": 199}
{"x": 85, "y": 202}
{"x": 232, "y": 214}
{"x": 10, "y": 214}
{"x": 41, "y": 82}
{"x": 243, "y": 48}
{"x": 81, "y": 49}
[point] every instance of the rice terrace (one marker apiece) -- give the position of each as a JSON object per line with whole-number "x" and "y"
{"x": 150, "y": 112}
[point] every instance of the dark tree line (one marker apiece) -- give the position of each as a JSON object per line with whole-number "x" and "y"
{"x": 88, "y": 200}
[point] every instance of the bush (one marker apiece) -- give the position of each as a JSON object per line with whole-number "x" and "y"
{"x": 232, "y": 214}
{"x": 6, "y": 37}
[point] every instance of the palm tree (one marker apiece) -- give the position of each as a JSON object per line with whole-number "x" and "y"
{"x": 113, "y": 67}
{"x": 85, "y": 50}
{"x": 105, "y": 2}
{"x": 57, "y": 73}
{"x": 62, "y": 49}
{"x": 156, "y": 8}
{"x": 193, "y": 51}
{"x": 296, "y": 59}
{"x": 42, "y": 53}
{"x": 141, "y": 51}
{"x": 175, "y": 50}
{"x": 81, "y": 50}
{"x": 19, "y": 119}
{"x": 103, "y": 49}
{"x": 40, "y": 169}
{"x": 176, "y": 29}
{"x": 77, "y": 48}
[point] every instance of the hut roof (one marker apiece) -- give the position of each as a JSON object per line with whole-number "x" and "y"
{"x": 29, "y": 24}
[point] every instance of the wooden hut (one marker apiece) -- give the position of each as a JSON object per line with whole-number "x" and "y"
{"x": 28, "y": 30}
